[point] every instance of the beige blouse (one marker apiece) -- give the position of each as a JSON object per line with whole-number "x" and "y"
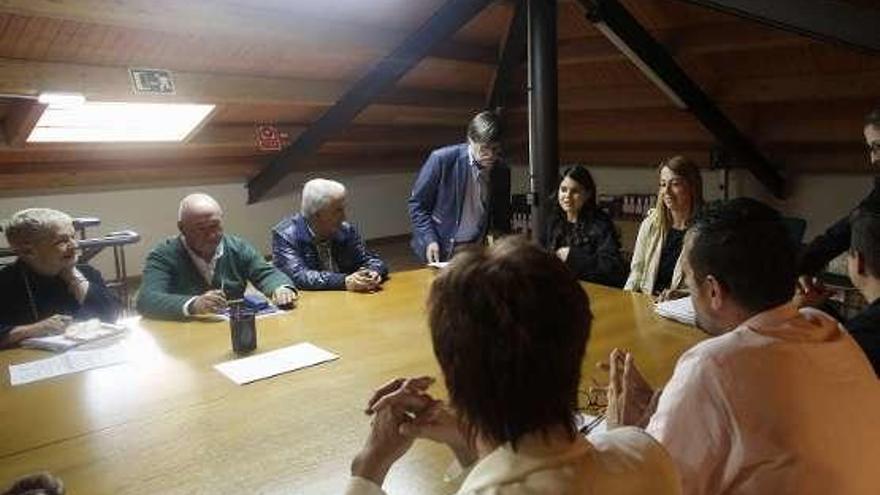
{"x": 624, "y": 461}
{"x": 646, "y": 258}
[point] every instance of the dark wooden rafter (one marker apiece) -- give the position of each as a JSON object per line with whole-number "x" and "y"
{"x": 668, "y": 73}
{"x": 451, "y": 17}
{"x": 512, "y": 56}
{"x": 21, "y": 120}
{"x": 832, "y": 21}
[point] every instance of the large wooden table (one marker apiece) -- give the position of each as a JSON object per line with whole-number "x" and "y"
{"x": 167, "y": 422}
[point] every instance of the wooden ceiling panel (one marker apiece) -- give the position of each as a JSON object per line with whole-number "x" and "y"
{"x": 449, "y": 75}
{"x": 13, "y": 30}
{"x": 410, "y": 116}
{"x": 488, "y": 27}
{"x": 605, "y": 74}
{"x": 238, "y": 113}
{"x": 785, "y": 61}
{"x": 572, "y": 22}
{"x": 116, "y": 46}
{"x": 667, "y": 14}
{"x": 830, "y": 59}
{"x": 286, "y": 61}
{"x": 396, "y": 14}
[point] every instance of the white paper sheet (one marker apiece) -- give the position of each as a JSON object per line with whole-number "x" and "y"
{"x": 272, "y": 363}
{"x": 72, "y": 361}
{"x": 680, "y": 310}
{"x": 438, "y": 264}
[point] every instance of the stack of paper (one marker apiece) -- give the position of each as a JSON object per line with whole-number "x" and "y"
{"x": 273, "y": 363}
{"x": 76, "y": 334}
{"x": 680, "y": 310}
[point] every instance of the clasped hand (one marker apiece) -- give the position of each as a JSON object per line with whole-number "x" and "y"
{"x": 402, "y": 411}
{"x": 631, "y": 400}
{"x": 363, "y": 280}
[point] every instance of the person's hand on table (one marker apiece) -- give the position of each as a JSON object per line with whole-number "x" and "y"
{"x": 424, "y": 416}
{"x": 363, "y": 281}
{"x": 212, "y": 301}
{"x": 284, "y": 296}
{"x": 432, "y": 253}
{"x": 562, "y": 253}
{"x": 36, "y": 484}
{"x": 631, "y": 400}
{"x": 669, "y": 295}
{"x": 391, "y": 406}
{"x": 52, "y": 325}
{"x": 371, "y": 276}
{"x": 810, "y": 291}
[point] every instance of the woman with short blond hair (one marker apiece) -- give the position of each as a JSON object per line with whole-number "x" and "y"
{"x": 45, "y": 289}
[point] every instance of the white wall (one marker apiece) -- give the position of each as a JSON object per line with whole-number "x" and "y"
{"x": 376, "y": 204}
{"x": 623, "y": 180}
{"x": 820, "y": 199}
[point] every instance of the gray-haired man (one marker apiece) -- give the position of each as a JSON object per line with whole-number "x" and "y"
{"x": 319, "y": 250}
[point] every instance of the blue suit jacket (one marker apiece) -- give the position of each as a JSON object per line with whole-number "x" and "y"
{"x": 438, "y": 196}
{"x": 294, "y": 253}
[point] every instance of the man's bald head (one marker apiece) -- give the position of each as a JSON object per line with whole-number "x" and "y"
{"x": 198, "y": 204}
{"x": 200, "y": 220}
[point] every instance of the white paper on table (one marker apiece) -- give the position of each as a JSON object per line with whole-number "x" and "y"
{"x": 272, "y": 363}
{"x": 438, "y": 264}
{"x": 72, "y": 361}
{"x": 680, "y": 310}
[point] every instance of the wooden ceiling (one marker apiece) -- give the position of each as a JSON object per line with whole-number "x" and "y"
{"x": 284, "y": 62}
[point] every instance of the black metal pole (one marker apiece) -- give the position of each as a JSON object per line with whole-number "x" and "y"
{"x": 543, "y": 108}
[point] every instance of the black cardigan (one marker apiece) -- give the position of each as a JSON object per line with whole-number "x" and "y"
{"x": 596, "y": 257}
{"x": 52, "y": 297}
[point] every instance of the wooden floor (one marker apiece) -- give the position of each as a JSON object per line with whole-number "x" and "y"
{"x": 396, "y": 253}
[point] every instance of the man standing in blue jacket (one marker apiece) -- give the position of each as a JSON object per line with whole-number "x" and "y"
{"x": 461, "y": 194}
{"x": 319, "y": 250}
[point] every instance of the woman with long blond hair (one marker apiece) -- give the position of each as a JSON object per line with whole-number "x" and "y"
{"x": 656, "y": 261}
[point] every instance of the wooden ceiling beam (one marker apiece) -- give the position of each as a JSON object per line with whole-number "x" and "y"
{"x": 832, "y": 21}
{"x": 103, "y": 83}
{"x": 122, "y": 173}
{"x": 227, "y": 141}
{"x": 812, "y": 87}
{"x": 724, "y": 37}
{"x": 652, "y": 58}
{"x": 20, "y": 120}
{"x": 210, "y": 18}
{"x": 860, "y": 87}
{"x": 451, "y": 17}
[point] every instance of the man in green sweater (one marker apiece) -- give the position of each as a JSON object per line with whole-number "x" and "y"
{"x": 195, "y": 272}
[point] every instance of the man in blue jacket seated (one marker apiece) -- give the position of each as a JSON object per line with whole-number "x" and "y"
{"x": 461, "y": 194}
{"x": 319, "y": 250}
{"x": 45, "y": 289}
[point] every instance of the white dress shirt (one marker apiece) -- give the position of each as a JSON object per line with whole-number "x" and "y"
{"x": 784, "y": 403}
{"x": 206, "y": 269}
{"x": 624, "y": 461}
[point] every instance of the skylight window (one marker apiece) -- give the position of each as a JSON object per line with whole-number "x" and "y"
{"x": 69, "y": 119}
